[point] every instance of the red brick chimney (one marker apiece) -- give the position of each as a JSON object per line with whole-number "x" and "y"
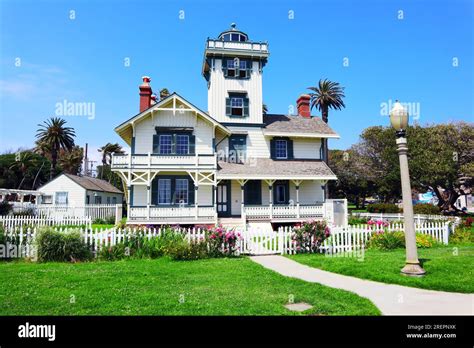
{"x": 302, "y": 105}
{"x": 145, "y": 93}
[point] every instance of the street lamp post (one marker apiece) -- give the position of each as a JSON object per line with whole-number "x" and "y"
{"x": 399, "y": 121}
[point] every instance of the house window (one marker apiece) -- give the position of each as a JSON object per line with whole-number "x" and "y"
{"x": 114, "y": 200}
{"x": 280, "y": 194}
{"x": 47, "y": 199}
{"x": 108, "y": 200}
{"x": 88, "y": 199}
{"x": 237, "y": 148}
{"x": 237, "y": 105}
{"x": 61, "y": 198}
{"x": 164, "y": 191}
{"x": 98, "y": 199}
{"x": 165, "y": 144}
{"x": 281, "y": 150}
{"x": 237, "y": 68}
{"x": 182, "y": 144}
{"x": 181, "y": 191}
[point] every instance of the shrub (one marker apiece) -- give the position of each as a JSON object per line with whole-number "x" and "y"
{"x": 222, "y": 242}
{"x": 356, "y": 221}
{"x": 115, "y": 252}
{"x": 309, "y": 236}
{"x": 468, "y": 221}
{"x": 386, "y": 240}
{"x": 110, "y": 220}
{"x": 462, "y": 235}
{"x": 122, "y": 223}
{"x": 99, "y": 221}
{"x": 61, "y": 246}
{"x": 426, "y": 208}
{"x": 192, "y": 250}
{"x": 394, "y": 240}
{"x": 5, "y": 208}
{"x": 383, "y": 208}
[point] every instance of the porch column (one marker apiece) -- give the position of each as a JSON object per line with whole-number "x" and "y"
{"x": 242, "y": 183}
{"x": 270, "y": 196}
{"x": 148, "y": 201}
{"x": 297, "y": 201}
{"x": 297, "y": 187}
{"x": 129, "y": 192}
{"x": 196, "y": 190}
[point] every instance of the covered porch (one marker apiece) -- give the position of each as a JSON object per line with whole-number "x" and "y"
{"x": 273, "y": 191}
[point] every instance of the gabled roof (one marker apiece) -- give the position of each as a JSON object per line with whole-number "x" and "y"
{"x": 124, "y": 125}
{"x": 303, "y": 126}
{"x": 88, "y": 183}
{"x": 93, "y": 184}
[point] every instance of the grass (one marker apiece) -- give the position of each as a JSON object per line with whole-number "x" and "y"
{"x": 448, "y": 268}
{"x": 229, "y": 286}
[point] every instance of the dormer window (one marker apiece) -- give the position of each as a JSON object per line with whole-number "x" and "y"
{"x": 281, "y": 149}
{"x": 237, "y": 68}
{"x": 237, "y": 105}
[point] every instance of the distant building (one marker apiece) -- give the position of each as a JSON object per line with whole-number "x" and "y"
{"x": 78, "y": 191}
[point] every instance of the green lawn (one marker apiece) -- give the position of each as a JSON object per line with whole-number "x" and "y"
{"x": 449, "y": 268}
{"x": 235, "y": 286}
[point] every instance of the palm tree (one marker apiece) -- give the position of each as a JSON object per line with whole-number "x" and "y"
{"x": 107, "y": 151}
{"x": 164, "y": 93}
{"x": 326, "y": 95}
{"x": 56, "y": 136}
{"x": 71, "y": 161}
{"x": 24, "y": 161}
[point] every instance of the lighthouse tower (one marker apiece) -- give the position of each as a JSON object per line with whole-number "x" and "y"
{"x": 233, "y": 68}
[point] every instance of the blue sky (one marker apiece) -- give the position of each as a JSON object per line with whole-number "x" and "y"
{"x": 423, "y": 55}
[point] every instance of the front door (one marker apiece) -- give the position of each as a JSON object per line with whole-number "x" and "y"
{"x": 223, "y": 198}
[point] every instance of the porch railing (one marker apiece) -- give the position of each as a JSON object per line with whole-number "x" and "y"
{"x": 173, "y": 213}
{"x": 277, "y": 211}
{"x": 150, "y": 160}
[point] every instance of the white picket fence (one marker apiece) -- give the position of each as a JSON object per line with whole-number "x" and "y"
{"x": 419, "y": 218}
{"x": 252, "y": 242}
{"x": 11, "y": 221}
{"x": 94, "y": 211}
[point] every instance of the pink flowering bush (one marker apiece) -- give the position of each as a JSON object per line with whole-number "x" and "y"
{"x": 308, "y": 237}
{"x": 222, "y": 242}
{"x": 380, "y": 225}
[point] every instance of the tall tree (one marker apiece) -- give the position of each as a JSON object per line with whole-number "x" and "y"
{"x": 164, "y": 93}
{"x": 327, "y": 95}
{"x": 57, "y": 136}
{"x": 71, "y": 161}
{"x": 107, "y": 150}
{"x": 23, "y": 162}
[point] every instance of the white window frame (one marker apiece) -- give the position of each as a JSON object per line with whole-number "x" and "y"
{"x": 166, "y": 196}
{"x": 281, "y": 141}
{"x": 184, "y": 188}
{"x": 56, "y": 195}
{"x": 178, "y": 144}
{"x": 162, "y": 136}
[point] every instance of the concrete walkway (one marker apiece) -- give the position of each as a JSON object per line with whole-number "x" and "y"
{"x": 390, "y": 299}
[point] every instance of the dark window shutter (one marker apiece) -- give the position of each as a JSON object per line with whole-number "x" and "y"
{"x": 289, "y": 144}
{"x": 156, "y": 143}
{"x": 132, "y": 148}
{"x": 192, "y": 144}
{"x": 224, "y": 67}
{"x": 228, "y": 109}
{"x": 249, "y": 68}
{"x": 287, "y": 192}
{"x": 272, "y": 148}
{"x": 154, "y": 192}
{"x": 191, "y": 191}
{"x": 246, "y": 107}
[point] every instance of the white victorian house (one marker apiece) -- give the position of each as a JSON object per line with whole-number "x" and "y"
{"x": 189, "y": 166}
